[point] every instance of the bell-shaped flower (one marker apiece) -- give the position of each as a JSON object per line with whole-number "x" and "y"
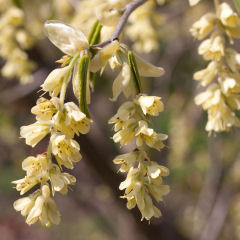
{"x": 53, "y": 82}
{"x": 126, "y": 134}
{"x": 149, "y": 136}
{"x": 227, "y": 16}
{"x": 66, "y": 150}
{"x": 45, "y": 109}
{"x": 151, "y": 105}
{"x": 203, "y": 26}
{"x": 25, "y": 184}
{"x": 193, "y": 2}
{"x": 44, "y": 209}
{"x": 68, "y": 39}
{"x": 26, "y": 204}
{"x": 59, "y": 180}
{"x": 126, "y": 160}
{"x": 213, "y": 48}
{"x": 125, "y": 111}
{"x": 208, "y": 74}
{"x": 34, "y": 133}
{"x": 212, "y": 96}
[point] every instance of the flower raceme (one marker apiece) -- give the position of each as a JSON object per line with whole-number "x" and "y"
{"x": 62, "y": 121}
{"x": 221, "y": 76}
{"x": 144, "y": 177}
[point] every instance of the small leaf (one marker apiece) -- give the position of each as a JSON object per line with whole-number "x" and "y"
{"x": 83, "y": 75}
{"x": 134, "y": 70}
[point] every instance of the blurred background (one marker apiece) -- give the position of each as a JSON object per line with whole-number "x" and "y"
{"x": 204, "y": 202}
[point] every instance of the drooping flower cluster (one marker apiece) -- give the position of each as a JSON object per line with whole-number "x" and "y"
{"x": 144, "y": 177}
{"x": 222, "y": 97}
{"x": 62, "y": 121}
{"x": 14, "y": 40}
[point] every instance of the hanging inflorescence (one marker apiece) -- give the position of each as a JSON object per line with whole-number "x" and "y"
{"x": 221, "y": 99}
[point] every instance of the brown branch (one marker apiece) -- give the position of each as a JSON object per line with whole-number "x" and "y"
{"x": 122, "y": 22}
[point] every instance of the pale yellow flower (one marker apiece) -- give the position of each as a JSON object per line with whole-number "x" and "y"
{"x": 126, "y": 134}
{"x": 70, "y": 120}
{"x": 193, "y": 2}
{"x": 59, "y": 180}
{"x": 213, "y": 48}
{"x": 68, "y": 39}
{"x": 26, "y": 204}
{"x": 233, "y": 59}
{"x": 208, "y": 74}
{"x": 14, "y": 16}
{"x": 157, "y": 188}
{"x": 25, "y": 184}
{"x": 203, "y": 26}
{"x": 34, "y": 133}
{"x": 212, "y": 96}
{"x": 227, "y": 16}
{"x": 66, "y": 150}
{"x": 221, "y": 118}
{"x": 44, "y": 209}
{"x": 126, "y": 160}
{"x": 230, "y": 83}
{"x": 151, "y": 105}
{"x": 125, "y": 111}
{"x": 53, "y": 82}
{"x": 36, "y": 166}
{"x": 45, "y": 109}
{"x": 155, "y": 170}
{"x": 151, "y": 138}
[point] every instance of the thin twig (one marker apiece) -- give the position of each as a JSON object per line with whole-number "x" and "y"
{"x": 122, "y": 22}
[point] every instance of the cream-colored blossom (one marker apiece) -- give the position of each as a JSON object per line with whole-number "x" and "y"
{"x": 26, "y": 204}
{"x": 34, "y": 133}
{"x": 66, "y": 150}
{"x": 44, "y": 209}
{"x": 53, "y": 82}
{"x": 66, "y": 38}
{"x": 211, "y": 97}
{"x": 70, "y": 120}
{"x": 193, "y": 2}
{"x": 233, "y": 59}
{"x": 208, "y": 74}
{"x": 203, "y": 26}
{"x": 151, "y": 105}
{"x": 126, "y": 160}
{"x": 227, "y": 16}
{"x": 213, "y": 48}
{"x": 151, "y": 138}
{"x": 36, "y": 166}
{"x": 25, "y": 184}
{"x": 125, "y": 111}
{"x": 59, "y": 180}
{"x": 154, "y": 170}
{"x": 126, "y": 134}
{"x": 221, "y": 118}
{"x": 230, "y": 83}
{"x": 45, "y": 109}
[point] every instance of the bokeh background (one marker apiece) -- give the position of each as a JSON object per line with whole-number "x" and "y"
{"x": 204, "y": 202}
